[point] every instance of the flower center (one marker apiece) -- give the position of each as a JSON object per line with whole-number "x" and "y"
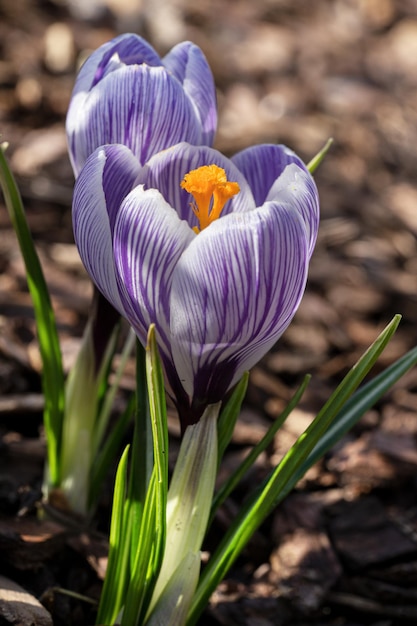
{"x": 211, "y": 190}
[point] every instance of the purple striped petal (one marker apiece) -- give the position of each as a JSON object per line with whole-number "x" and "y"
{"x": 149, "y": 238}
{"x": 166, "y": 170}
{"x": 262, "y": 165}
{"x": 141, "y": 107}
{"x": 189, "y": 65}
{"x": 234, "y": 292}
{"x": 296, "y": 187}
{"x": 108, "y": 176}
{"x": 127, "y": 49}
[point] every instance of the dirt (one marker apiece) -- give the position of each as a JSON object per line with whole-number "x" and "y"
{"x": 342, "y": 549}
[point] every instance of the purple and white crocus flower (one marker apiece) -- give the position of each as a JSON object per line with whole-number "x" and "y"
{"x": 125, "y": 93}
{"x": 213, "y": 251}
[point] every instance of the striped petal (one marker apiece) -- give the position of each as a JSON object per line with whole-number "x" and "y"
{"x": 189, "y": 65}
{"x": 127, "y": 49}
{"x": 296, "y": 187}
{"x": 108, "y": 176}
{"x": 234, "y": 292}
{"x": 148, "y": 240}
{"x": 262, "y": 165}
{"x": 266, "y": 167}
{"x": 140, "y": 107}
{"x": 166, "y": 170}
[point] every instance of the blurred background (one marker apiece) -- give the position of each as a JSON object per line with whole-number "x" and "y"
{"x": 287, "y": 71}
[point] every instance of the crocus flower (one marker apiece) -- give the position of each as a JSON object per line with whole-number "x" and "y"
{"x": 213, "y": 251}
{"x": 125, "y": 93}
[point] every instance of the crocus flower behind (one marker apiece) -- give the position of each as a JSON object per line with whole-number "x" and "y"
{"x": 125, "y": 93}
{"x": 221, "y": 291}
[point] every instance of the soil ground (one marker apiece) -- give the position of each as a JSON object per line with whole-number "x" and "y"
{"x": 342, "y": 549}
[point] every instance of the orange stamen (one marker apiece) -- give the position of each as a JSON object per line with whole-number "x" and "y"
{"x": 211, "y": 190}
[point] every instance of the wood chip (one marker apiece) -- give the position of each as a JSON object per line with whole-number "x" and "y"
{"x": 20, "y": 608}
{"x": 365, "y": 536}
{"x": 305, "y": 567}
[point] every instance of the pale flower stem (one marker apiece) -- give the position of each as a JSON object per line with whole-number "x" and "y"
{"x": 173, "y": 606}
{"x": 79, "y": 420}
{"x": 189, "y": 500}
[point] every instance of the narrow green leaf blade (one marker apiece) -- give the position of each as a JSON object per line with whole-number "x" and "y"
{"x": 147, "y": 552}
{"x": 115, "y": 582}
{"x": 142, "y": 451}
{"x": 138, "y": 584}
{"x": 270, "y": 494}
{"x": 247, "y": 463}
{"x": 157, "y": 406}
{"x": 52, "y": 375}
{"x": 230, "y": 413}
{"x": 361, "y": 401}
{"x": 316, "y": 160}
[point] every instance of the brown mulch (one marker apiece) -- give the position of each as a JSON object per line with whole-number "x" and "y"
{"x": 342, "y": 549}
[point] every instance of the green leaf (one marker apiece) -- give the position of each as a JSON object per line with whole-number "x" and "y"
{"x": 315, "y": 161}
{"x": 263, "y": 501}
{"x": 139, "y": 580}
{"x": 266, "y": 440}
{"x": 229, "y": 414}
{"x": 142, "y": 451}
{"x": 361, "y": 401}
{"x": 147, "y": 550}
{"x": 116, "y": 580}
{"x": 157, "y": 405}
{"x": 52, "y": 372}
{"x": 158, "y": 412}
